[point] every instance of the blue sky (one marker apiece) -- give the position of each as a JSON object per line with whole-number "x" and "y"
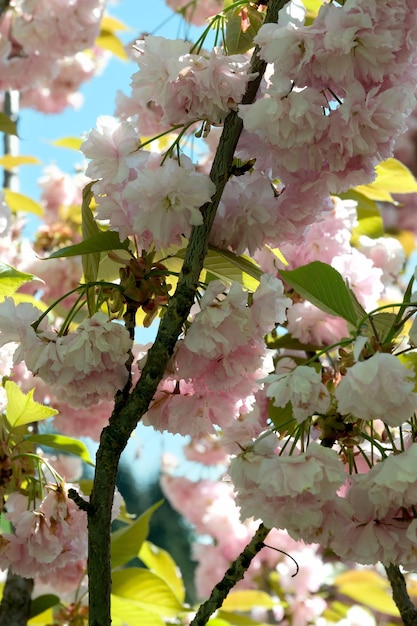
{"x": 37, "y": 131}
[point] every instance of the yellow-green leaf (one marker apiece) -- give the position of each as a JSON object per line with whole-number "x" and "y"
{"x": 368, "y": 588}
{"x": 18, "y": 202}
{"x": 73, "y": 143}
{"x": 148, "y": 590}
{"x": 111, "y": 23}
{"x": 7, "y": 126}
{"x": 22, "y": 408}
{"x": 246, "y": 600}
{"x": 312, "y": 8}
{"x": 109, "y": 41}
{"x": 9, "y": 161}
{"x": 125, "y": 611}
{"x": 161, "y": 563}
{"x": 127, "y": 541}
{"x": 11, "y": 279}
{"x": 392, "y": 177}
{"x": 63, "y": 443}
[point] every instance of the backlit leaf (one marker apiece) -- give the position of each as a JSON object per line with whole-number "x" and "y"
{"x": 18, "y": 202}
{"x": 127, "y": 541}
{"x": 161, "y": 563}
{"x": 62, "y": 443}
{"x": 21, "y": 407}
{"x": 73, "y": 143}
{"x": 148, "y": 590}
{"x": 368, "y": 588}
{"x": 109, "y": 41}
{"x": 246, "y": 600}
{"x": 392, "y": 177}
{"x": 9, "y": 162}
{"x": 11, "y": 279}
{"x": 125, "y": 611}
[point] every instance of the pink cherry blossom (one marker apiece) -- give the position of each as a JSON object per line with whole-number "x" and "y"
{"x": 379, "y": 388}
{"x": 302, "y": 388}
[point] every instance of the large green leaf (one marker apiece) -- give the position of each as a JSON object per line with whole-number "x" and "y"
{"x": 161, "y": 563}
{"x": 62, "y": 443}
{"x": 148, "y": 590}
{"x": 101, "y": 242}
{"x": 22, "y": 409}
{"x": 11, "y": 279}
{"x": 127, "y": 541}
{"x": 324, "y": 287}
{"x": 128, "y": 612}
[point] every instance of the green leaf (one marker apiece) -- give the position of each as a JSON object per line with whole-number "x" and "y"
{"x": 237, "y": 40}
{"x": 43, "y": 603}
{"x": 89, "y": 229}
{"x": 282, "y": 418}
{"x": 324, "y": 287}
{"x": 237, "y": 619}
{"x": 63, "y": 443}
{"x": 72, "y": 143}
{"x": 125, "y": 611}
{"x": 127, "y": 541}
{"x": 380, "y": 325}
{"x": 392, "y": 177}
{"x": 229, "y": 267}
{"x": 18, "y": 202}
{"x": 7, "y": 126}
{"x": 148, "y": 590}
{"x": 21, "y": 407}
{"x": 104, "y": 241}
{"x": 288, "y": 342}
{"x": 370, "y": 222}
{"x": 11, "y": 279}
{"x": 161, "y": 563}
{"x": 246, "y": 600}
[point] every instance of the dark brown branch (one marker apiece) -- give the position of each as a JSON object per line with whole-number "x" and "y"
{"x": 400, "y": 595}
{"x": 15, "y": 605}
{"x": 235, "y": 573}
{"x": 126, "y": 414}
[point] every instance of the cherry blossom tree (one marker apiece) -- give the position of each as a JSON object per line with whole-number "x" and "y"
{"x": 241, "y": 201}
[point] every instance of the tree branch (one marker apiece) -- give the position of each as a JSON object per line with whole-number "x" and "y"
{"x": 235, "y": 573}
{"x": 15, "y": 605}
{"x": 400, "y": 595}
{"x": 127, "y": 414}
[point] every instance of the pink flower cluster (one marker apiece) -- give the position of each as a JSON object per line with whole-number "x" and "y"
{"x": 337, "y": 99}
{"x": 48, "y": 70}
{"x": 188, "y": 87}
{"x": 85, "y": 367}
{"x": 47, "y": 541}
{"x": 367, "y": 517}
{"x": 137, "y": 193}
{"x": 218, "y": 365}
